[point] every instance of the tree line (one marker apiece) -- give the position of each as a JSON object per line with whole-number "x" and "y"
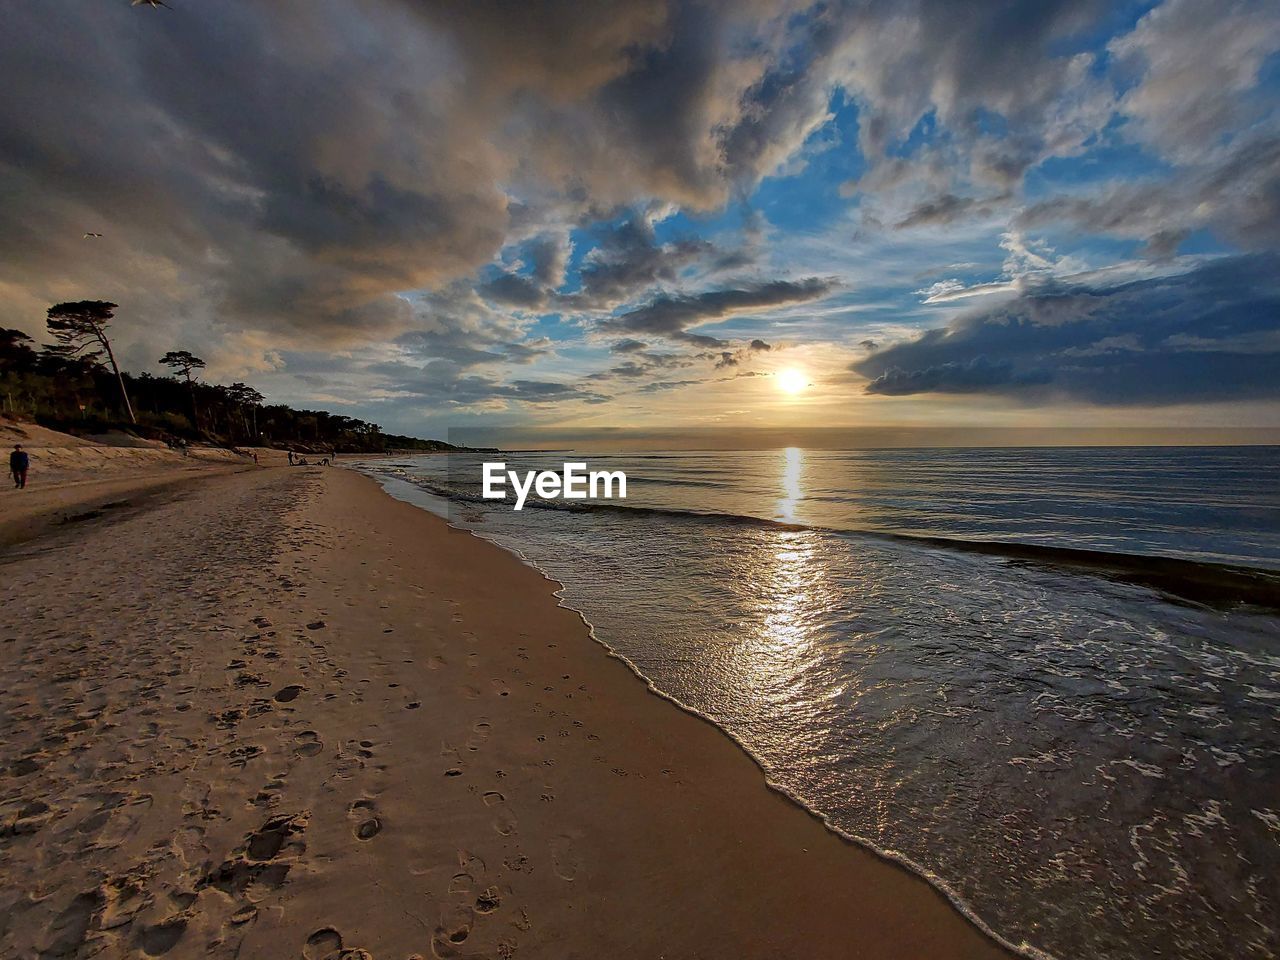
{"x": 76, "y": 385}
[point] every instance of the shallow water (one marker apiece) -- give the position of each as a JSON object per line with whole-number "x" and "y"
{"x": 1088, "y": 767}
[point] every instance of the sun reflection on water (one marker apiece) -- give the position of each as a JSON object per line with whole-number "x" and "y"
{"x": 792, "y": 470}
{"x": 788, "y": 579}
{"x": 788, "y": 582}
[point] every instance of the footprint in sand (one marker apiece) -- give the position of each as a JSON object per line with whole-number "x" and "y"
{"x": 367, "y": 824}
{"x": 488, "y": 901}
{"x": 462, "y": 886}
{"x": 455, "y": 927}
{"x": 323, "y": 944}
{"x": 479, "y": 734}
{"x": 120, "y": 824}
{"x": 564, "y": 859}
{"x": 67, "y": 933}
{"x": 159, "y": 939}
{"x": 288, "y": 693}
{"x": 307, "y": 744}
{"x": 189, "y": 846}
{"x": 504, "y": 821}
{"x": 33, "y": 815}
{"x": 123, "y": 899}
{"x": 25, "y": 766}
{"x": 265, "y": 842}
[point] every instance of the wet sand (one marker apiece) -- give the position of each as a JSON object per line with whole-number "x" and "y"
{"x": 275, "y": 713}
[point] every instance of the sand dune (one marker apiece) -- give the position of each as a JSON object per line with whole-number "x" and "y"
{"x": 275, "y": 713}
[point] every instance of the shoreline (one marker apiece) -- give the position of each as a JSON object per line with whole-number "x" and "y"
{"x": 568, "y": 813}
{"x": 862, "y": 844}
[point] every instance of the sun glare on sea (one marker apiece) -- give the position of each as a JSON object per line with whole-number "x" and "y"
{"x": 791, "y": 380}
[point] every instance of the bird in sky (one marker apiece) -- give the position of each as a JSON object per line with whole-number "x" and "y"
{"x": 148, "y": 3}
{"x": 88, "y": 236}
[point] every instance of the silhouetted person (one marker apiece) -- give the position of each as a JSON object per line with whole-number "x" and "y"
{"x": 291, "y": 458}
{"x": 19, "y": 462}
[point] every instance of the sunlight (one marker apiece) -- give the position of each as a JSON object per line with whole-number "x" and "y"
{"x": 792, "y": 468}
{"x": 791, "y": 380}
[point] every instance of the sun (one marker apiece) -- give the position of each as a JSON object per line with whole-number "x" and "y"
{"x": 791, "y": 380}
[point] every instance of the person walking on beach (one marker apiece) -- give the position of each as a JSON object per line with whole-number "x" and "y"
{"x": 291, "y": 458}
{"x": 19, "y": 462}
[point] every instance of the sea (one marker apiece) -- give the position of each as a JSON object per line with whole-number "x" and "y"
{"x": 1088, "y": 766}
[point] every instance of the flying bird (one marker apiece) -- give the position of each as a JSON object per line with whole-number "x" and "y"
{"x": 148, "y": 3}
{"x": 90, "y": 235}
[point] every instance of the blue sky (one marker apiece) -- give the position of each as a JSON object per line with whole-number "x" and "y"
{"x": 640, "y": 214}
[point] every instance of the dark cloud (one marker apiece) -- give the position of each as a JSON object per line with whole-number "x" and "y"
{"x": 457, "y": 330}
{"x": 727, "y": 359}
{"x": 628, "y": 259}
{"x": 628, "y": 346}
{"x": 643, "y": 362}
{"x": 660, "y": 386}
{"x": 673, "y": 315}
{"x": 734, "y": 358}
{"x": 513, "y": 290}
{"x": 527, "y": 351}
{"x": 443, "y": 384}
{"x": 978, "y": 375}
{"x": 548, "y": 256}
{"x": 1212, "y": 333}
{"x": 247, "y": 183}
{"x": 947, "y": 208}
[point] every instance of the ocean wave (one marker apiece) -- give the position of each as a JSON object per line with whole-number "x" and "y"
{"x": 1198, "y": 581}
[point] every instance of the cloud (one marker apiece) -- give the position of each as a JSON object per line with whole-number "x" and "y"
{"x": 1236, "y": 194}
{"x": 1211, "y": 333}
{"x": 734, "y": 358}
{"x": 673, "y": 315}
{"x": 978, "y": 375}
{"x": 628, "y": 346}
{"x": 256, "y": 186}
{"x": 303, "y": 194}
{"x": 947, "y": 208}
{"x": 513, "y": 290}
{"x": 661, "y": 386}
{"x": 1199, "y": 67}
{"x": 446, "y": 170}
{"x": 628, "y": 259}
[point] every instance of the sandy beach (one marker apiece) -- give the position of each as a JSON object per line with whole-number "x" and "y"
{"x": 276, "y": 713}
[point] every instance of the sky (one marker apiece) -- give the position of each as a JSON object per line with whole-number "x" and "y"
{"x": 660, "y": 216}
